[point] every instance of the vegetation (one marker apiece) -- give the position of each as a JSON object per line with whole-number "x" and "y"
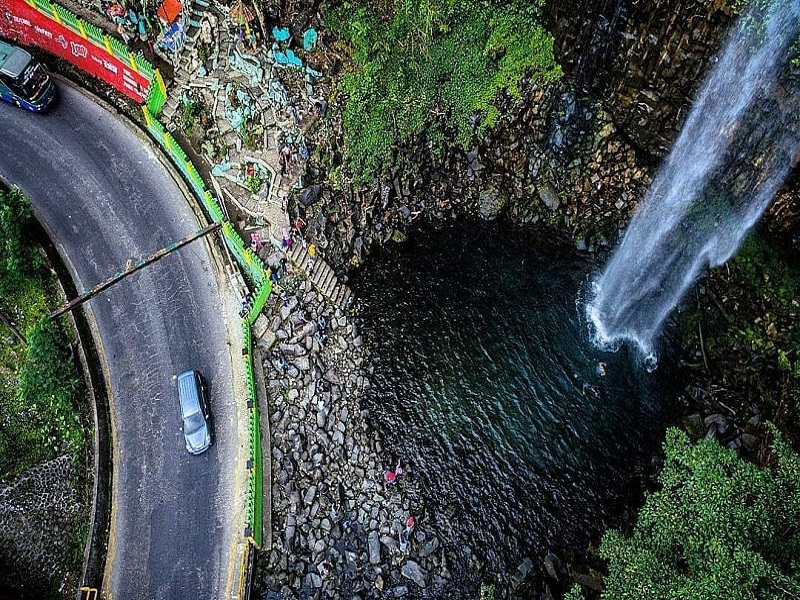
{"x": 744, "y": 324}
{"x": 770, "y": 280}
{"x": 254, "y": 184}
{"x": 717, "y": 527}
{"x": 434, "y": 57}
{"x": 38, "y": 383}
{"x": 18, "y": 261}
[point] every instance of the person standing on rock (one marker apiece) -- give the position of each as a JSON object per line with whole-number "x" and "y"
{"x": 405, "y": 535}
{"x": 410, "y": 523}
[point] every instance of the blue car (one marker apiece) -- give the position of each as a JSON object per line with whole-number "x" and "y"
{"x": 24, "y": 81}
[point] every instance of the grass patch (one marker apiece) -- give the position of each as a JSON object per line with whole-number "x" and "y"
{"x": 433, "y": 57}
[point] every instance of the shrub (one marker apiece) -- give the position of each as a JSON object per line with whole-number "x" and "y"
{"x": 18, "y": 258}
{"x": 254, "y": 184}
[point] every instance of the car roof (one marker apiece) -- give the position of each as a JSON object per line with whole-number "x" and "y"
{"x": 187, "y": 393}
{"x": 12, "y": 59}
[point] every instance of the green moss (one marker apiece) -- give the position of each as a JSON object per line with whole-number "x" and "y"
{"x": 446, "y": 57}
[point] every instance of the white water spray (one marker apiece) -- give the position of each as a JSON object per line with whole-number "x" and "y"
{"x": 727, "y": 164}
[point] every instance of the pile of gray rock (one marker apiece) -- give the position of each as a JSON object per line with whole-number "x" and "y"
{"x": 340, "y": 529}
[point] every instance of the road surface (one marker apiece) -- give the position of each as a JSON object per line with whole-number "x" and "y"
{"x": 106, "y": 199}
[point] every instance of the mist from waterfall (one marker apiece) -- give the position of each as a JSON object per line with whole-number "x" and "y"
{"x": 728, "y": 162}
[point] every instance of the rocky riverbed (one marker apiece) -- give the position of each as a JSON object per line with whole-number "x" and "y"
{"x": 340, "y": 529}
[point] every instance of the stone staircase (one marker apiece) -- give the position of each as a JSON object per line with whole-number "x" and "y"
{"x": 323, "y": 278}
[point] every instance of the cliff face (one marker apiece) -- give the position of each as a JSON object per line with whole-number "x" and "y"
{"x": 578, "y": 154}
{"x": 644, "y": 60}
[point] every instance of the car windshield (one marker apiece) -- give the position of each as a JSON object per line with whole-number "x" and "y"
{"x": 193, "y": 423}
{"x": 32, "y": 81}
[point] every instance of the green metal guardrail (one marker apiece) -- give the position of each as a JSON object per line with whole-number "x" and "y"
{"x": 158, "y": 93}
{"x": 255, "y": 503}
{"x": 252, "y": 264}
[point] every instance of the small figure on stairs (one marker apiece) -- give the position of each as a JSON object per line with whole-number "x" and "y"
{"x": 312, "y": 258}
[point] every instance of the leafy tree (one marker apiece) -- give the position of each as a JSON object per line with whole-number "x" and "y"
{"x": 18, "y": 260}
{"x": 718, "y": 527}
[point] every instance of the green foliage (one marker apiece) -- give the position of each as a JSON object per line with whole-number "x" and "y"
{"x": 191, "y": 112}
{"x": 254, "y": 184}
{"x": 487, "y": 591}
{"x": 40, "y": 420}
{"x": 252, "y": 134}
{"x": 771, "y": 280}
{"x": 750, "y": 311}
{"x": 719, "y": 527}
{"x": 575, "y": 593}
{"x": 449, "y": 57}
{"x": 18, "y": 258}
{"x": 38, "y": 383}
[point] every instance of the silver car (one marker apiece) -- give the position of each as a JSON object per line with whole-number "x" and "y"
{"x": 194, "y": 411}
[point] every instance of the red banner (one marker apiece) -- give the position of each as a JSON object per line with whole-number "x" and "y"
{"x": 22, "y": 23}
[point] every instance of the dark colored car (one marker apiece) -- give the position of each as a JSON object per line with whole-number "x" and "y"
{"x": 24, "y": 81}
{"x": 194, "y": 411}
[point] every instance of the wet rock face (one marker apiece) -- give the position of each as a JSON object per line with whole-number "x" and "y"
{"x": 644, "y": 59}
{"x": 576, "y": 155}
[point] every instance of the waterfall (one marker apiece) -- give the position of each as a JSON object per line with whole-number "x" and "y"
{"x": 729, "y": 161}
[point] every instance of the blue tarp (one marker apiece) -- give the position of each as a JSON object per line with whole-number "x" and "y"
{"x": 309, "y": 40}
{"x": 280, "y": 35}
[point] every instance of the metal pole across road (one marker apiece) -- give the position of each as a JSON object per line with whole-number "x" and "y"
{"x": 132, "y": 268}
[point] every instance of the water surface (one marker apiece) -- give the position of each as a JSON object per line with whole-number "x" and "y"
{"x": 486, "y": 382}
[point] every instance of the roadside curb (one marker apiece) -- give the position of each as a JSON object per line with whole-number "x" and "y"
{"x": 95, "y": 378}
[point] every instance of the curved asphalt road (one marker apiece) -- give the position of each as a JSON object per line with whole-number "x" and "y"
{"x": 106, "y": 198}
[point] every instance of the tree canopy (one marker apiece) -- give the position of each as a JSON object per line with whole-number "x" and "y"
{"x": 718, "y": 527}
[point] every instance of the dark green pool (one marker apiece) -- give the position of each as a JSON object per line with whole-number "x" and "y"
{"x": 486, "y": 382}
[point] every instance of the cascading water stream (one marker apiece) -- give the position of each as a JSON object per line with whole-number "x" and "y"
{"x": 729, "y": 161}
